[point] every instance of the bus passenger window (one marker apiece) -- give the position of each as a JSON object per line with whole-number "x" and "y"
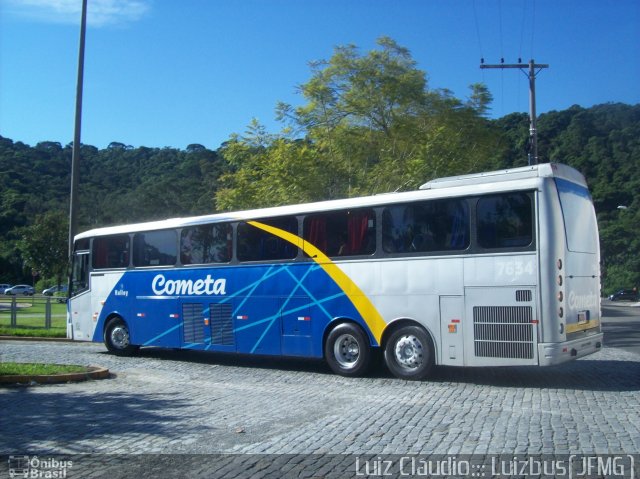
{"x": 505, "y": 221}
{"x": 155, "y": 248}
{"x": 255, "y": 244}
{"x": 342, "y": 233}
{"x": 206, "y": 244}
{"x": 426, "y": 226}
{"x": 111, "y": 252}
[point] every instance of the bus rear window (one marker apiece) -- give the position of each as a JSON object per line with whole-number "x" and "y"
{"x": 505, "y": 221}
{"x": 579, "y": 217}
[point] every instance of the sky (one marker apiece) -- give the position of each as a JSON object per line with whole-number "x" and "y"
{"x": 169, "y": 73}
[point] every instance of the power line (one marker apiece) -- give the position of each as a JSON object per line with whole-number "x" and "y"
{"x": 500, "y": 29}
{"x": 533, "y": 27}
{"x": 475, "y": 15}
{"x": 524, "y": 17}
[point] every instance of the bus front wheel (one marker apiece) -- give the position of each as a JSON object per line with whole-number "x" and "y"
{"x": 117, "y": 338}
{"x": 347, "y": 350}
{"x": 409, "y": 353}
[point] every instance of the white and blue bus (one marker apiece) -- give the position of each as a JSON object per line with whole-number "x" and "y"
{"x": 489, "y": 269}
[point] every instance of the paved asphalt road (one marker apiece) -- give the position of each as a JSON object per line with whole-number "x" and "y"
{"x": 621, "y": 326}
{"x": 253, "y": 410}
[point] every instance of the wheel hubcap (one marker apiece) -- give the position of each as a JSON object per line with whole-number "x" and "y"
{"x": 120, "y": 337}
{"x": 409, "y": 352}
{"x": 346, "y": 351}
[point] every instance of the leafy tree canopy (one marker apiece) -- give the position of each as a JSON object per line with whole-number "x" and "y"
{"x": 43, "y": 245}
{"x": 370, "y": 124}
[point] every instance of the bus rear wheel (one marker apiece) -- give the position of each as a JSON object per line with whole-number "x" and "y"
{"x": 117, "y": 338}
{"x": 347, "y": 350}
{"x": 409, "y": 353}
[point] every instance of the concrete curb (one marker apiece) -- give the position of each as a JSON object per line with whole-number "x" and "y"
{"x": 93, "y": 372}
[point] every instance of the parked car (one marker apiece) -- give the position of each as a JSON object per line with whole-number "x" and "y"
{"x": 4, "y": 287}
{"x": 625, "y": 295}
{"x": 55, "y": 289}
{"x": 20, "y": 289}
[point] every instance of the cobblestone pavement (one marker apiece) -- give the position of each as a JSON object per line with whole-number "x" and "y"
{"x": 201, "y": 403}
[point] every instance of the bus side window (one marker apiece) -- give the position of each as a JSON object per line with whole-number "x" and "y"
{"x": 426, "y": 226}
{"x": 342, "y": 233}
{"x": 155, "y": 248}
{"x": 255, "y": 244}
{"x": 111, "y": 252}
{"x": 505, "y": 221}
{"x": 206, "y": 244}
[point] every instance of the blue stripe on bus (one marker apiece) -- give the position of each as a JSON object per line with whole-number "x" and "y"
{"x": 148, "y": 343}
{"x": 270, "y": 294}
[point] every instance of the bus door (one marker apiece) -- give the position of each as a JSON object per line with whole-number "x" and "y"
{"x": 155, "y": 322}
{"x": 296, "y": 326}
{"x": 257, "y": 324}
{"x": 80, "y": 324}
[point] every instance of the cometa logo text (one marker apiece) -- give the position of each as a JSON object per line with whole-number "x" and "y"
{"x": 207, "y": 286}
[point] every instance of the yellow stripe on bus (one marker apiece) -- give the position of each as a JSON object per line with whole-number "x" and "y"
{"x": 575, "y": 327}
{"x": 364, "y": 306}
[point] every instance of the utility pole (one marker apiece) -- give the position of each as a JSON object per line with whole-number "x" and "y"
{"x": 75, "y": 155}
{"x": 528, "y": 69}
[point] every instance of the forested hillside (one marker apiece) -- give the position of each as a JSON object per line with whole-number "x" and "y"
{"x": 370, "y": 124}
{"x": 119, "y": 184}
{"x": 122, "y": 184}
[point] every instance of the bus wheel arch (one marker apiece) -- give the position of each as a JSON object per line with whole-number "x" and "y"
{"x": 117, "y": 338}
{"x": 347, "y": 348}
{"x": 409, "y": 350}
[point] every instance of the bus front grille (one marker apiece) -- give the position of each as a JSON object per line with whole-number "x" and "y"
{"x": 503, "y": 332}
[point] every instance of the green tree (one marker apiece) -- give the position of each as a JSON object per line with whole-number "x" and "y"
{"x": 370, "y": 124}
{"x": 44, "y": 245}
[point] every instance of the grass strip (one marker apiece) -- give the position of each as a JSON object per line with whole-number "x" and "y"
{"x": 35, "y": 369}
{"x": 34, "y": 332}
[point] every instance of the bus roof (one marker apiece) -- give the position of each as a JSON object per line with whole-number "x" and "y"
{"x": 518, "y": 178}
{"x": 555, "y": 170}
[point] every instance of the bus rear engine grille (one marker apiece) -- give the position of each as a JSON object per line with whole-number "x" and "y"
{"x": 503, "y": 332}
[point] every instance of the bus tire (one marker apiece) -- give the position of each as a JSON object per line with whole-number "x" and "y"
{"x": 347, "y": 350}
{"x": 409, "y": 353}
{"x": 117, "y": 338}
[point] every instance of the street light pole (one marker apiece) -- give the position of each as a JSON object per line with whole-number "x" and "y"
{"x": 75, "y": 155}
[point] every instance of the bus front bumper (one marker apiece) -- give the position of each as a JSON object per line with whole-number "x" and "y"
{"x": 557, "y": 353}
